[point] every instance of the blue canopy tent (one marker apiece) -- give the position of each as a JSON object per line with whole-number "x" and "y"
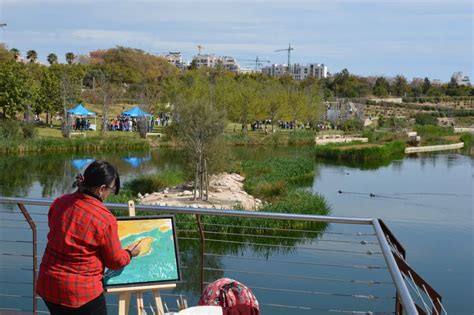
{"x": 135, "y": 112}
{"x": 80, "y": 110}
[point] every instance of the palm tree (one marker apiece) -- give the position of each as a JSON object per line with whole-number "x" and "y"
{"x": 52, "y": 59}
{"x": 16, "y": 53}
{"x": 31, "y": 55}
{"x": 70, "y": 57}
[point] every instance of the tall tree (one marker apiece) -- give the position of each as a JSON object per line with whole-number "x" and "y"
{"x": 52, "y": 59}
{"x": 5, "y": 54}
{"x": 400, "y": 86}
{"x": 70, "y": 58}
{"x": 16, "y": 53}
{"x": 107, "y": 94}
{"x": 381, "y": 87}
{"x": 198, "y": 122}
{"x": 426, "y": 85}
{"x": 14, "y": 88}
{"x": 32, "y": 56}
{"x": 150, "y": 95}
{"x": 49, "y": 100}
{"x": 274, "y": 101}
{"x": 246, "y": 102}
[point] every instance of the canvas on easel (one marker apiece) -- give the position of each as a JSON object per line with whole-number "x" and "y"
{"x": 155, "y": 268}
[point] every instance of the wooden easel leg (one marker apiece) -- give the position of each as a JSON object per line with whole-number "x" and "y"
{"x": 158, "y": 302}
{"x": 124, "y": 303}
{"x": 140, "y": 304}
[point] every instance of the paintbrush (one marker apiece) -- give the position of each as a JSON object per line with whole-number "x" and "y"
{"x": 136, "y": 245}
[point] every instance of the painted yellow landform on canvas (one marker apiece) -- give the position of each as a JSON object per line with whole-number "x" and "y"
{"x": 127, "y": 228}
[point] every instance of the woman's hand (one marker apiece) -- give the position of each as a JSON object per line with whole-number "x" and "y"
{"x": 134, "y": 248}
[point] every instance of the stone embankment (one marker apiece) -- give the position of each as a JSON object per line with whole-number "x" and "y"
{"x": 327, "y": 139}
{"x": 225, "y": 192}
{"x": 464, "y": 129}
{"x": 433, "y": 148}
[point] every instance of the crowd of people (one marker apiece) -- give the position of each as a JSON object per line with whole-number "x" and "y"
{"x": 126, "y": 123}
{"x": 81, "y": 124}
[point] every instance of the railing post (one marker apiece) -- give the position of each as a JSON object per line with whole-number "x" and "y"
{"x": 35, "y": 254}
{"x": 402, "y": 290}
{"x": 201, "y": 238}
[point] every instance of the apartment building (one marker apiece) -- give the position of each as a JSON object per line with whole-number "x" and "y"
{"x": 460, "y": 78}
{"x": 299, "y": 72}
{"x": 176, "y": 58}
{"x": 212, "y": 61}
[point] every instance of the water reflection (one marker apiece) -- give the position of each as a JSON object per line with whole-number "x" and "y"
{"x": 50, "y": 175}
{"x": 135, "y": 161}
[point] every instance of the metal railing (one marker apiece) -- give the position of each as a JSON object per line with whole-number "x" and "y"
{"x": 222, "y": 244}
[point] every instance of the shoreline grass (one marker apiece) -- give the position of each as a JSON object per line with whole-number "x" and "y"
{"x": 52, "y": 145}
{"x": 373, "y": 152}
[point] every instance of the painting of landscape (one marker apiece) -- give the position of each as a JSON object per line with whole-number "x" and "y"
{"x": 157, "y": 261}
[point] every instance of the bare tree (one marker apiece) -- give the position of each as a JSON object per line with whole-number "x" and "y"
{"x": 70, "y": 93}
{"x": 149, "y": 95}
{"x": 107, "y": 94}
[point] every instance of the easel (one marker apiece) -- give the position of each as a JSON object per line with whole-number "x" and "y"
{"x": 125, "y": 293}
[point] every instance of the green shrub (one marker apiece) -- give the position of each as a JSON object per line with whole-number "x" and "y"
{"x": 273, "y": 178}
{"x": 10, "y": 129}
{"x": 301, "y": 202}
{"x": 29, "y": 131}
{"x": 353, "y": 125}
{"x": 123, "y": 197}
{"x": 466, "y": 138}
{"x": 151, "y": 183}
{"x": 369, "y": 134}
{"x": 266, "y": 189}
{"x": 434, "y": 131}
{"x": 426, "y": 119}
{"x": 361, "y": 153}
{"x": 299, "y": 137}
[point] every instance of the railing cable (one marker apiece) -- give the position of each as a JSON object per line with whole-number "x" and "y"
{"x": 288, "y": 238}
{"x": 358, "y": 296}
{"x": 288, "y": 230}
{"x": 365, "y": 282}
{"x": 414, "y": 286}
{"x": 429, "y": 298}
{"x": 299, "y": 262}
{"x": 298, "y": 247}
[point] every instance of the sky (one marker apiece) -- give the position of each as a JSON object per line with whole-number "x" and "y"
{"x": 415, "y": 38}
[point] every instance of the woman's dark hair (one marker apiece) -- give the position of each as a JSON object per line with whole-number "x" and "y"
{"x": 100, "y": 173}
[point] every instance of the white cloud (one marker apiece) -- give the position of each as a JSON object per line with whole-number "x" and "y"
{"x": 114, "y": 36}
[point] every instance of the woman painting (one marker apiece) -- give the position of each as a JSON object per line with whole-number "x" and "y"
{"x": 82, "y": 241}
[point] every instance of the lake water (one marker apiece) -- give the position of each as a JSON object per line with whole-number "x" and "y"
{"x": 425, "y": 200}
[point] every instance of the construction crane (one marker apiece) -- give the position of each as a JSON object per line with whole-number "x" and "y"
{"x": 289, "y": 49}
{"x": 258, "y": 62}
{"x": 199, "y": 49}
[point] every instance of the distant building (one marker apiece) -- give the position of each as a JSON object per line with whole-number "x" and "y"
{"x": 436, "y": 82}
{"x": 247, "y": 71}
{"x": 460, "y": 79}
{"x": 212, "y": 61}
{"x": 417, "y": 81}
{"x": 98, "y": 55}
{"x": 176, "y": 58}
{"x": 297, "y": 71}
{"x": 275, "y": 70}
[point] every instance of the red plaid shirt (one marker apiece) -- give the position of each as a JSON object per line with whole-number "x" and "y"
{"x": 82, "y": 240}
